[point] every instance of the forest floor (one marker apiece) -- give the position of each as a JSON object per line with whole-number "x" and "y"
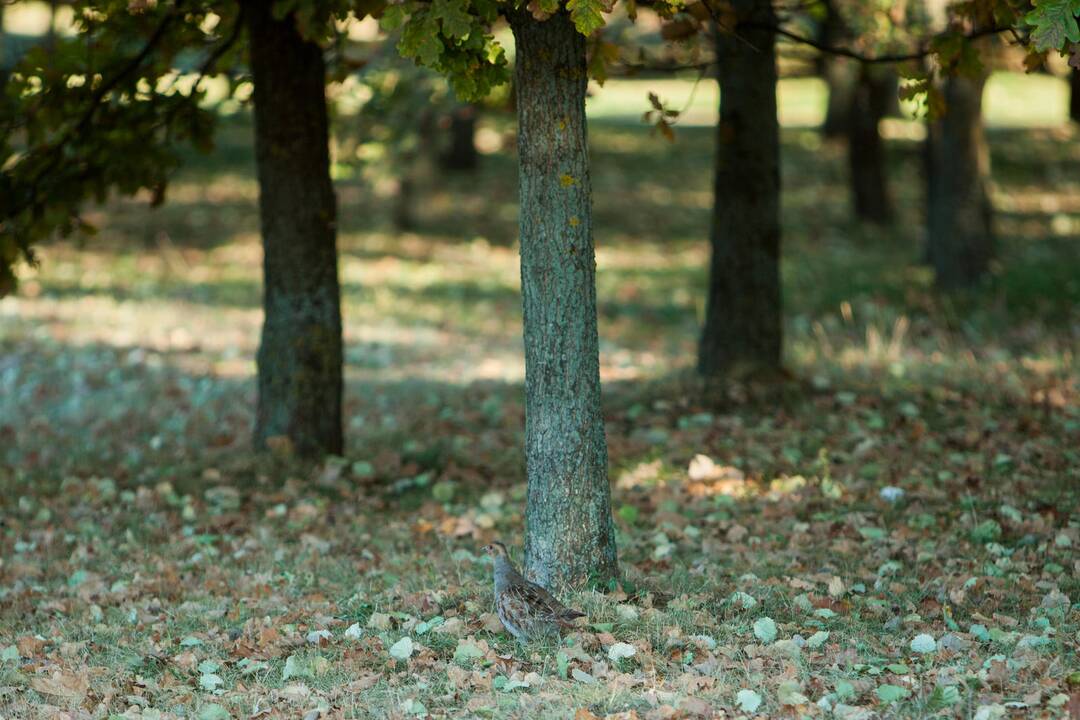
{"x": 893, "y": 533}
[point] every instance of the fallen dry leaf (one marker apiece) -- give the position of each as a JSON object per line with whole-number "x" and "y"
{"x": 63, "y": 684}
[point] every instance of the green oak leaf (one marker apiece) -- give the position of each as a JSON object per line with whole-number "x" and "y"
{"x": 456, "y": 21}
{"x": 588, "y": 15}
{"x": 392, "y": 18}
{"x": 1055, "y": 23}
{"x": 421, "y": 39}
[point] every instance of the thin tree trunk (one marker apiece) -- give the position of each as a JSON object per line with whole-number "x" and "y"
{"x": 958, "y": 209}
{"x": 3, "y": 50}
{"x": 1074, "y": 95}
{"x": 461, "y": 155}
{"x": 401, "y": 210}
{"x": 742, "y": 330}
{"x": 866, "y": 151}
{"x": 889, "y": 80}
{"x": 300, "y": 355}
{"x": 838, "y": 74}
{"x": 416, "y": 171}
{"x": 50, "y": 33}
{"x": 569, "y": 536}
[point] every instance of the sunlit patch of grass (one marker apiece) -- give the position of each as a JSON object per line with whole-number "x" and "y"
{"x": 1012, "y": 100}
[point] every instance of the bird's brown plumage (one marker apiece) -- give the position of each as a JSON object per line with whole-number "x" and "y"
{"x": 526, "y": 609}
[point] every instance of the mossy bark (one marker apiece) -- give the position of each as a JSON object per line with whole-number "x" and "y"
{"x": 742, "y": 332}
{"x": 959, "y": 214}
{"x": 870, "y": 102}
{"x": 300, "y": 354}
{"x": 569, "y": 536}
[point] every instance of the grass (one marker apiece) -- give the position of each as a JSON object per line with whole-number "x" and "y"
{"x": 1012, "y": 100}
{"x": 154, "y": 567}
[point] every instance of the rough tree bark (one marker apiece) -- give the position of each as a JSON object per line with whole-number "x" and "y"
{"x": 300, "y": 354}
{"x": 866, "y": 152}
{"x": 959, "y": 213}
{"x": 742, "y": 332}
{"x": 569, "y": 536}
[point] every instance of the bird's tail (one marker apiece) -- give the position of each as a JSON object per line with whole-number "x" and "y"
{"x": 568, "y": 616}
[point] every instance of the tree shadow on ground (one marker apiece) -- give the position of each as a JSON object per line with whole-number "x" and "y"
{"x": 140, "y": 415}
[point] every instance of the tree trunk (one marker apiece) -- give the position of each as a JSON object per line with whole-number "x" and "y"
{"x": 461, "y": 155}
{"x": 3, "y": 51}
{"x": 838, "y": 74}
{"x": 300, "y": 356}
{"x": 889, "y": 79}
{"x": 742, "y": 330}
{"x": 569, "y": 536}
{"x": 1074, "y": 95}
{"x": 958, "y": 209}
{"x": 50, "y": 32}
{"x": 416, "y": 171}
{"x": 866, "y": 151}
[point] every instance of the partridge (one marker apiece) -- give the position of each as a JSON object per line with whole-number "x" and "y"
{"x": 526, "y": 610}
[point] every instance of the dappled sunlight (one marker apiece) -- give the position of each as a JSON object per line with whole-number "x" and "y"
{"x": 179, "y": 287}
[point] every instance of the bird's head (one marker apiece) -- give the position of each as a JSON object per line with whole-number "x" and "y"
{"x": 496, "y": 550}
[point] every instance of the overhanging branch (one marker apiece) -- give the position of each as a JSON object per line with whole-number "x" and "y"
{"x": 865, "y": 58}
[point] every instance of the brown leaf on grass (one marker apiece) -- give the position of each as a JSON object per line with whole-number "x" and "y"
{"x": 458, "y": 676}
{"x": 695, "y": 707}
{"x": 29, "y": 646}
{"x": 186, "y": 660}
{"x": 584, "y": 714}
{"x": 453, "y": 626}
{"x": 491, "y": 623}
{"x": 481, "y": 702}
{"x": 72, "y": 649}
{"x": 63, "y": 684}
{"x": 269, "y": 636}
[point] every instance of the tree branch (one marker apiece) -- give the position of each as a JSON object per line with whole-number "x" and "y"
{"x": 54, "y": 151}
{"x": 129, "y": 67}
{"x": 861, "y": 57}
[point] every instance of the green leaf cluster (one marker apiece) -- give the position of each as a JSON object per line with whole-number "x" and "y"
{"x": 106, "y": 110}
{"x": 112, "y": 108}
{"x": 452, "y": 37}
